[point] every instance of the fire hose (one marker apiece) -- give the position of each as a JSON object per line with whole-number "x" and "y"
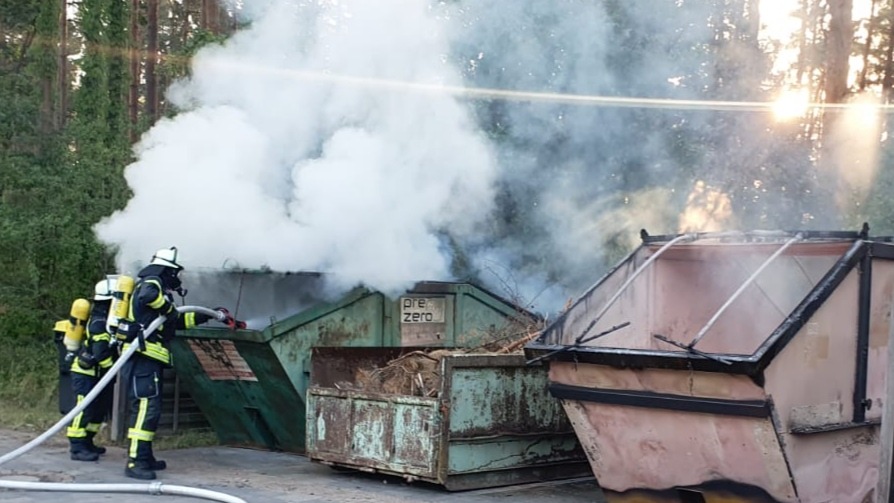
{"x": 153, "y": 488}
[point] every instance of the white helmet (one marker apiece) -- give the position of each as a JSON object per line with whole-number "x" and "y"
{"x": 105, "y": 289}
{"x": 166, "y": 257}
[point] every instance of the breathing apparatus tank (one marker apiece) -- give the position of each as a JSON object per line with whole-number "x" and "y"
{"x": 121, "y": 304}
{"x": 77, "y": 321}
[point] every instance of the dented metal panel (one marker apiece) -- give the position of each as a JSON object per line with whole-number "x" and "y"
{"x": 393, "y": 433}
{"x": 493, "y": 422}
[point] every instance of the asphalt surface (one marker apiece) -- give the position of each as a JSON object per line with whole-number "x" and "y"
{"x": 254, "y": 476}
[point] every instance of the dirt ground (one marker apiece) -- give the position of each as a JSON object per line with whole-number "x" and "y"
{"x": 255, "y": 476}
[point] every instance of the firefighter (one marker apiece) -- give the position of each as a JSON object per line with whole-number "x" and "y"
{"x": 142, "y": 374}
{"x": 89, "y": 364}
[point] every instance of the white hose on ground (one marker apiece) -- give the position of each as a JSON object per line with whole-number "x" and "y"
{"x": 152, "y": 488}
{"x": 155, "y": 488}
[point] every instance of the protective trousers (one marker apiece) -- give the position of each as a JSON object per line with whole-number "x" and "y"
{"x": 86, "y": 424}
{"x": 142, "y": 376}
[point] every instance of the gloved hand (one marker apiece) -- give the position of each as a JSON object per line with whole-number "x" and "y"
{"x": 223, "y": 314}
{"x": 86, "y": 359}
{"x": 227, "y": 319}
{"x": 201, "y": 318}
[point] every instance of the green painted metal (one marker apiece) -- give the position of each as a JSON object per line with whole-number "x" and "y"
{"x": 251, "y": 384}
{"x": 493, "y": 422}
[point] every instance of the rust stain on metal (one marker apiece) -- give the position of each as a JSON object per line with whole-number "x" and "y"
{"x": 221, "y": 360}
{"x": 341, "y": 332}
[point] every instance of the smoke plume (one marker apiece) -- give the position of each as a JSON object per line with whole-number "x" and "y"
{"x": 274, "y": 164}
{"x": 315, "y": 140}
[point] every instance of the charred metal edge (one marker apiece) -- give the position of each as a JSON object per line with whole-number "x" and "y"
{"x": 642, "y": 358}
{"x": 807, "y": 430}
{"x": 652, "y": 400}
{"x": 848, "y": 235}
{"x": 883, "y": 250}
{"x": 556, "y": 328}
{"x": 861, "y": 367}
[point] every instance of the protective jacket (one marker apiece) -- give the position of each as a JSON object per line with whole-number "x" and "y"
{"x": 149, "y": 301}
{"x": 90, "y": 363}
{"x": 96, "y": 354}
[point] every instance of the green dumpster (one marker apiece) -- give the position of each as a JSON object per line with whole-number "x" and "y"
{"x": 251, "y": 384}
{"x": 487, "y": 421}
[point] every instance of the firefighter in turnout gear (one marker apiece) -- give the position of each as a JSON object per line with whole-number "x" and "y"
{"x": 89, "y": 364}
{"x": 142, "y": 373}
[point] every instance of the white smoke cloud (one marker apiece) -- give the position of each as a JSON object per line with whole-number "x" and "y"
{"x": 275, "y": 164}
{"x": 302, "y": 147}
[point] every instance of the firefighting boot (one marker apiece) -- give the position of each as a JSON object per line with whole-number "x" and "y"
{"x": 93, "y": 447}
{"x": 157, "y": 464}
{"x": 80, "y": 450}
{"x": 139, "y": 470}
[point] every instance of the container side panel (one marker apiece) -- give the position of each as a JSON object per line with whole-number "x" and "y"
{"x": 328, "y": 418}
{"x": 760, "y": 308}
{"x": 372, "y": 434}
{"x": 678, "y": 294}
{"x": 358, "y": 324}
{"x": 688, "y": 294}
{"x": 483, "y": 320}
{"x": 391, "y": 434}
{"x": 812, "y": 385}
{"x": 879, "y": 324}
{"x": 416, "y": 434}
{"x": 839, "y": 466}
{"x": 701, "y": 384}
{"x": 507, "y": 452}
{"x": 812, "y": 380}
{"x": 250, "y": 405}
{"x": 632, "y": 448}
{"x": 576, "y": 319}
{"x": 502, "y": 400}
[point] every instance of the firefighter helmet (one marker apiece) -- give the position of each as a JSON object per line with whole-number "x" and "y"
{"x": 105, "y": 289}
{"x": 166, "y": 257}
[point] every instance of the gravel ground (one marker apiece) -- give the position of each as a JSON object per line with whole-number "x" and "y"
{"x": 255, "y": 476}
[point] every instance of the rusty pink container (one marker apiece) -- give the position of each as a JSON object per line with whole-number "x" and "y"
{"x": 731, "y": 367}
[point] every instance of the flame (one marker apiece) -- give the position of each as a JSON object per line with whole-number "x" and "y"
{"x": 708, "y": 209}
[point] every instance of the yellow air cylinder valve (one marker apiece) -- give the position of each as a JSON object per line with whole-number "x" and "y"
{"x": 121, "y": 304}
{"x": 122, "y": 296}
{"x": 80, "y": 310}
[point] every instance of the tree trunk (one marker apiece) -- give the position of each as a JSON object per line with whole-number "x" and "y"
{"x": 753, "y": 14}
{"x": 867, "y": 47}
{"x": 151, "y": 60}
{"x": 888, "y": 78}
{"x": 211, "y": 16}
{"x": 46, "y": 62}
{"x": 62, "y": 113}
{"x": 838, "y": 40}
{"x": 135, "y": 44}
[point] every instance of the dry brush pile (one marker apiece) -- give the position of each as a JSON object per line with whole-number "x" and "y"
{"x": 418, "y": 373}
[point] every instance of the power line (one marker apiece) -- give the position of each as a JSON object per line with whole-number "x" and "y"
{"x": 562, "y": 98}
